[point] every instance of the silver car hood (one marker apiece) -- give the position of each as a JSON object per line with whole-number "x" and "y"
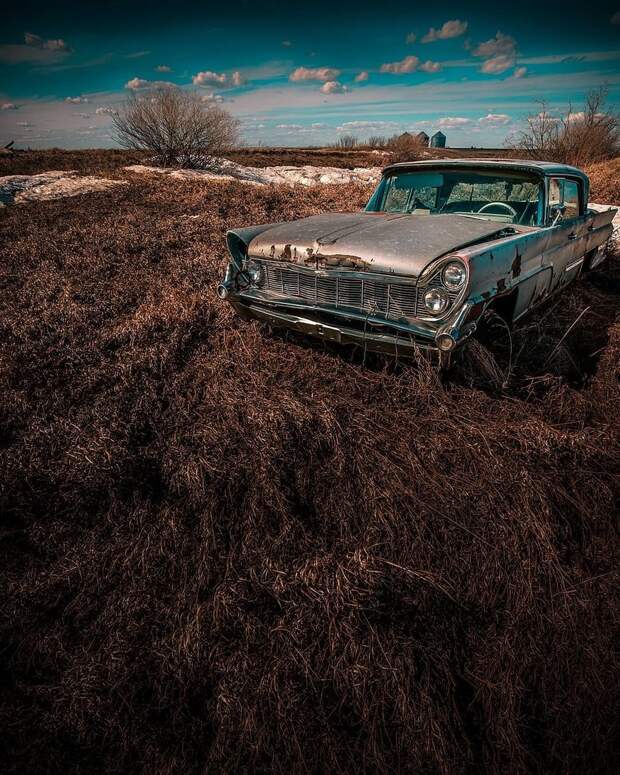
{"x": 375, "y": 242}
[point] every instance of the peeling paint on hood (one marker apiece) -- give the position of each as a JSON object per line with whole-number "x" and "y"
{"x": 399, "y": 243}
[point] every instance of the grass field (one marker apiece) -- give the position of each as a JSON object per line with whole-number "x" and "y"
{"x": 224, "y": 551}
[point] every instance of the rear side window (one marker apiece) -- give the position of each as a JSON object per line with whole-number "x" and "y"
{"x": 571, "y": 199}
{"x": 565, "y": 192}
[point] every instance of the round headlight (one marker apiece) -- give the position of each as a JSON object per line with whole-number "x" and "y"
{"x": 436, "y": 300}
{"x": 454, "y": 275}
{"x": 255, "y": 272}
{"x": 445, "y": 342}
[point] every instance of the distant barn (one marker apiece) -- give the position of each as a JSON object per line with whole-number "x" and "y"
{"x": 422, "y": 138}
{"x": 438, "y": 140}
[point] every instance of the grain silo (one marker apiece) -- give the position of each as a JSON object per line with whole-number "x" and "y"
{"x": 438, "y": 140}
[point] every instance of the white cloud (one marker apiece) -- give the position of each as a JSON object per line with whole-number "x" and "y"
{"x": 363, "y": 76}
{"x": 289, "y": 126}
{"x": 520, "y": 72}
{"x": 212, "y": 99}
{"x": 137, "y": 54}
{"x": 333, "y": 87}
{"x": 24, "y": 123}
{"x": 407, "y": 65}
{"x": 8, "y": 106}
{"x": 450, "y": 29}
{"x": 287, "y": 43}
{"x": 349, "y": 126}
{"x": 453, "y": 122}
{"x": 319, "y": 126}
{"x": 34, "y": 49}
{"x": 106, "y": 111}
{"x": 163, "y": 69}
{"x": 36, "y": 41}
{"x": 500, "y": 44}
{"x": 499, "y": 53}
{"x": 209, "y": 78}
{"x": 580, "y": 116}
{"x": 495, "y": 119}
{"x": 324, "y": 74}
{"x": 76, "y": 100}
{"x": 498, "y": 64}
{"x": 135, "y": 84}
{"x": 430, "y": 67}
{"x": 411, "y": 38}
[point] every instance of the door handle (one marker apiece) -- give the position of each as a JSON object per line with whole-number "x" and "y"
{"x": 572, "y": 235}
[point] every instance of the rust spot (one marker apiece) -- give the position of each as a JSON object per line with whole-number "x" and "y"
{"x": 286, "y": 253}
{"x": 501, "y": 285}
{"x": 516, "y": 266}
{"x": 272, "y": 251}
{"x": 485, "y": 294}
{"x": 341, "y": 260}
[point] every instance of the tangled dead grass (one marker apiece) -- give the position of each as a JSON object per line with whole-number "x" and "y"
{"x": 223, "y": 551}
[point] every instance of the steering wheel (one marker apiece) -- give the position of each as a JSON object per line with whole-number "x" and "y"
{"x": 510, "y": 209}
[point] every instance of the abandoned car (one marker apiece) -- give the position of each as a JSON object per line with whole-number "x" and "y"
{"x": 438, "y": 243}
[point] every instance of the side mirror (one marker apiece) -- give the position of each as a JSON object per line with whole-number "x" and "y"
{"x": 556, "y": 212}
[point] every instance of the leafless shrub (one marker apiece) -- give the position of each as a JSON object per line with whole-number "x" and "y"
{"x": 406, "y": 147}
{"x": 376, "y": 141}
{"x": 578, "y": 137}
{"x": 176, "y": 126}
{"x": 346, "y": 142}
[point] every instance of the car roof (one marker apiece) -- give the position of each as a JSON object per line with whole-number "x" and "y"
{"x": 523, "y": 165}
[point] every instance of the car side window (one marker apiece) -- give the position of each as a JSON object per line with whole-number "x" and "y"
{"x": 565, "y": 192}
{"x": 571, "y": 199}
{"x": 555, "y": 192}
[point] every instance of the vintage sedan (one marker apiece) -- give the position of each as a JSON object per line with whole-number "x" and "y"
{"x": 439, "y": 243}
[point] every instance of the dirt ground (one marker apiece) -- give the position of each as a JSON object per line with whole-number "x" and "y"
{"x": 229, "y": 551}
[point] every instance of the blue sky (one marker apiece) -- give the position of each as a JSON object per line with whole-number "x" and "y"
{"x": 305, "y": 75}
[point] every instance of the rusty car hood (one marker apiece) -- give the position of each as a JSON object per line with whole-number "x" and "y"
{"x": 399, "y": 243}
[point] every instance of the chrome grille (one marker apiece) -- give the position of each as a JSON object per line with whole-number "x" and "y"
{"x": 394, "y": 300}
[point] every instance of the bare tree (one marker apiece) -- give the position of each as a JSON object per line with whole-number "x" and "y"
{"x": 346, "y": 142}
{"x": 376, "y": 141}
{"x": 406, "y": 147}
{"x": 176, "y": 126}
{"x": 578, "y": 137}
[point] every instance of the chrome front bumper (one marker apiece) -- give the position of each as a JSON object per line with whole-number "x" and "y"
{"x": 340, "y": 333}
{"x": 348, "y": 327}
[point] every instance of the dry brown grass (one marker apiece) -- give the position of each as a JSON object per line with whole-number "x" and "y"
{"x": 605, "y": 181}
{"x": 109, "y": 161}
{"x": 226, "y": 552}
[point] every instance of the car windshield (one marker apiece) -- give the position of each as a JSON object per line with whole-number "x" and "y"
{"x": 500, "y": 196}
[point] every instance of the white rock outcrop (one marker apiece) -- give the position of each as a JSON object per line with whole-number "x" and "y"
{"x": 308, "y": 175}
{"x": 51, "y": 185}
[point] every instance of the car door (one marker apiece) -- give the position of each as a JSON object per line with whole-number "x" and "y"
{"x": 568, "y": 242}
